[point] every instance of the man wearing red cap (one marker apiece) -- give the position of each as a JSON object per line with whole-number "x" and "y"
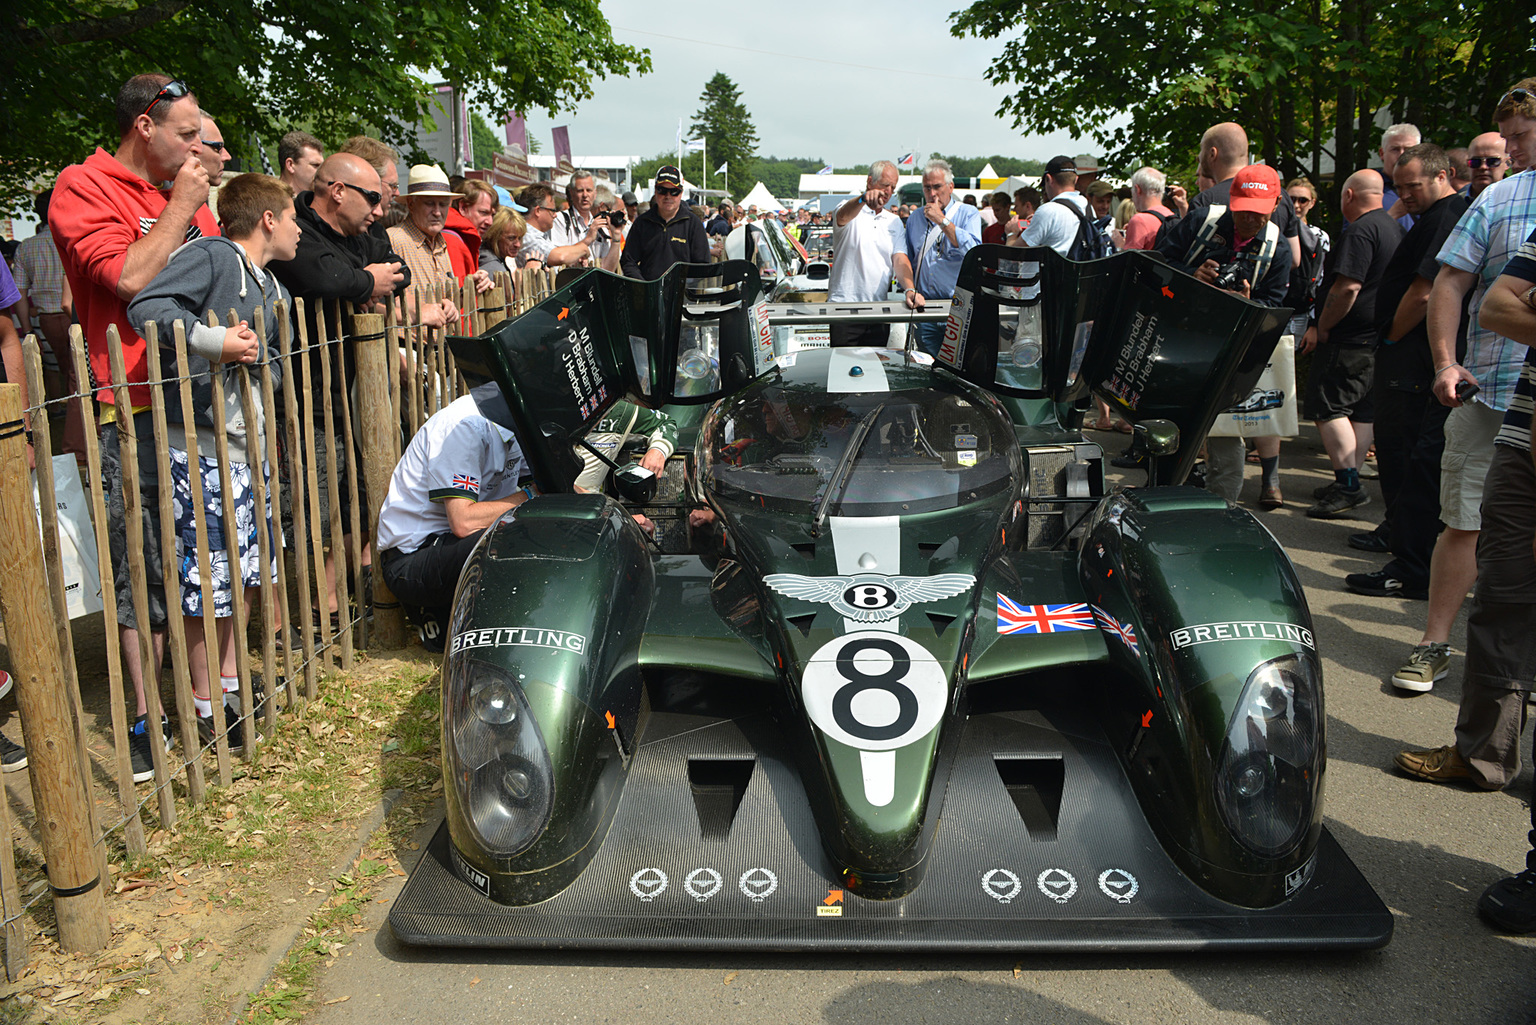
{"x": 1237, "y": 247}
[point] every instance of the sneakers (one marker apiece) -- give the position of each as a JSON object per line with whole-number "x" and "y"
{"x": 1442, "y": 765}
{"x": 1126, "y": 461}
{"x": 1382, "y": 584}
{"x": 138, "y": 747}
{"x": 234, "y": 730}
{"x": 1324, "y": 490}
{"x": 12, "y": 755}
{"x": 1270, "y": 498}
{"x": 1510, "y": 904}
{"x": 1370, "y": 541}
{"x": 6, "y": 683}
{"x": 1426, "y": 666}
{"x": 1337, "y": 503}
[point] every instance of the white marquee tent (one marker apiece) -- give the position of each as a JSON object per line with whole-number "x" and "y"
{"x": 761, "y": 198}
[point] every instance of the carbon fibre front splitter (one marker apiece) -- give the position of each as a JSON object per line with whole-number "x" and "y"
{"x": 1012, "y": 867}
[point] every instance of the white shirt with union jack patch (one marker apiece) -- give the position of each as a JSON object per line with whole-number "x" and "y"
{"x": 457, "y": 454}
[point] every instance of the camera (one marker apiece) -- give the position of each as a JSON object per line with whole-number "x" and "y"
{"x": 616, "y": 217}
{"x": 1231, "y": 274}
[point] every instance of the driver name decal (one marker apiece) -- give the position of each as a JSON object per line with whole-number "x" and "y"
{"x": 1205, "y": 633}
{"x": 870, "y": 597}
{"x": 876, "y": 692}
{"x": 580, "y": 362}
{"x": 1134, "y": 362}
{"x": 952, "y": 348}
{"x": 495, "y": 637}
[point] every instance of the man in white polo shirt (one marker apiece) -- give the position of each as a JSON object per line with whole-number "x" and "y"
{"x": 864, "y": 235}
{"x": 457, "y": 477}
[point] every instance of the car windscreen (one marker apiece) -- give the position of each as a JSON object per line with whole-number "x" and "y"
{"x": 783, "y": 446}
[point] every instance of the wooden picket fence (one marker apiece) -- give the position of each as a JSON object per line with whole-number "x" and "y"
{"x": 403, "y": 374}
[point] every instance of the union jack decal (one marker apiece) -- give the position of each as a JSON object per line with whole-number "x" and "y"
{"x": 466, "y": 483}
{"x": 1112, "y": 626}
{"x": 1013, "y": 618}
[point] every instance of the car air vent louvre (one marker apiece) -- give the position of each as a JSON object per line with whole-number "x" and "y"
{"x": 806, "y": 548}
{"x": 940, "y": 623}
{"x": 939, "y": 550}
{"x": 718, "y": 785}
{"x": 803, "y": 623}
{"x": 1034, "y": 784}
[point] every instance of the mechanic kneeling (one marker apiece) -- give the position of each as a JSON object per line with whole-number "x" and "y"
{"x": 459, "y": 474}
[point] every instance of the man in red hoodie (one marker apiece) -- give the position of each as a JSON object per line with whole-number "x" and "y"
{"x": 116, "y": 223}
{"x": 470, "y": 218}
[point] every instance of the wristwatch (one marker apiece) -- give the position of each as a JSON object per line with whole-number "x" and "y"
{"x": 1529, "y": 298}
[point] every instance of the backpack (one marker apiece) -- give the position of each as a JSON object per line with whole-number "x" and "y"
{"x": 1090, "y": 243}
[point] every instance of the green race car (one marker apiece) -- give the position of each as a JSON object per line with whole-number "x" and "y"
{"x": 896, "y": 672}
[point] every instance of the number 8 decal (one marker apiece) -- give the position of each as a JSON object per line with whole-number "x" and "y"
{"x": 876, "y": 692}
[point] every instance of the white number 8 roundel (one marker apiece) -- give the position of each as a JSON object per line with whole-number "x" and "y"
{"x": 874, "y": 691}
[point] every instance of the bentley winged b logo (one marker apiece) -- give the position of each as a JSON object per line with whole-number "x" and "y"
{"x": 870, "y": 597}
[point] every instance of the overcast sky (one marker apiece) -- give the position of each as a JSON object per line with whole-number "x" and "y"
{"x": 849, "y": 83}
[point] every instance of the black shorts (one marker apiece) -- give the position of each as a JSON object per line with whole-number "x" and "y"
{"x": 1339, "y": 384}
{"x": 149, "y": 519}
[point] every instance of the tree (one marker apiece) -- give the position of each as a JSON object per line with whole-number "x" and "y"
{"x": 266, "y": 66}
{"x": 484, "y": 139}
{"x": 725, "y": 125}
{"x": 1306, "y": 78}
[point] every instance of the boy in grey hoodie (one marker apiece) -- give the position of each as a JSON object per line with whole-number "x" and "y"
{"x": 220, "y": 274}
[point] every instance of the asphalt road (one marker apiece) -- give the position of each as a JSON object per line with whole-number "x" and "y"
{"x": 1428, "y": 850}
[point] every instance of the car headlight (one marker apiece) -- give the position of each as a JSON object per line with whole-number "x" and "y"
{"x": 1267, "y": 776}
{"x": 500, "y": 766}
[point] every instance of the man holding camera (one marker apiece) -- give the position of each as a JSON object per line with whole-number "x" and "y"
{"x": 577, "y": 225}
{"x": 1338, "y": 396}
{"x": 1236, "y": 247}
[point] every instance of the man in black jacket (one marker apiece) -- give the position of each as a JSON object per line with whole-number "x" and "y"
{"x": 666, "y": 233}
{"x": 338, "y": 261}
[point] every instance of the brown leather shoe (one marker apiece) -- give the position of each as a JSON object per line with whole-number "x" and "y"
{"x": 1441, "y": 765}
{"x": 1270, "y": 498}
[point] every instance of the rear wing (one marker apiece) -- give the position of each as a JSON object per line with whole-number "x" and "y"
{"x": 1141, "y": 334}
{"x": 692, "y": 335}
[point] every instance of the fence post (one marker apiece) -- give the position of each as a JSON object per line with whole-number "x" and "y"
{"x": 375, "y": 365}
{"x": 74, "y": 871}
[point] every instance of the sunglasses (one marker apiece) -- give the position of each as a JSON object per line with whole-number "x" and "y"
{"x": 668, "y": 192}
{"x": 217, "y": 147}
{"x": 1489, "y": 162}
{"x": 371, "y": 196}
{"x": 175, "y": 89}
{"x": 1301, "y": 200}
{"x": 1518, "y": 95}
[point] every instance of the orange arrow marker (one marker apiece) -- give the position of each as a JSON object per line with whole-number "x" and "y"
{"x": 566, "y": 309}
{"x": 833, "y": 897}
{"x": 1168, "y": 291}
{"x": 609, "y": 717}
{"x": 1146, "y": 720}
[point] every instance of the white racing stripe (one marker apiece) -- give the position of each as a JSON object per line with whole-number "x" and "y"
{"x": 856, "y": 370}
{"x": 867, "y": 544}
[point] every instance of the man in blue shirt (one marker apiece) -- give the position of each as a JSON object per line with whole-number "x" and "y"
{"x": 937, "y": 240}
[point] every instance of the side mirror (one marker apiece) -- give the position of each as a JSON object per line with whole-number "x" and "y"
{"x": 635, "y": 484}
{"x": 1158, "y": 437}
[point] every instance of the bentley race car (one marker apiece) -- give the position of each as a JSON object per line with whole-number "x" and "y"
{"x": 896, "y": 671}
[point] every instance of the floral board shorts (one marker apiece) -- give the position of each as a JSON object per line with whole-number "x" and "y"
{"x": 183, "y": 507}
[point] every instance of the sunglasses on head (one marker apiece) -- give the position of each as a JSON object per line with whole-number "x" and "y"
{"x": 175, "y": 89}
{"x": 1489, "y": 162}
{"x": 1517, "y": 95}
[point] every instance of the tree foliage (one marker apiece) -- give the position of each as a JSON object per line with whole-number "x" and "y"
{"x": 484, "y": 139}
{"x": 1304, "y": 77}
{"x": 726, "y": 126}
{"x": 265, "y": 66}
